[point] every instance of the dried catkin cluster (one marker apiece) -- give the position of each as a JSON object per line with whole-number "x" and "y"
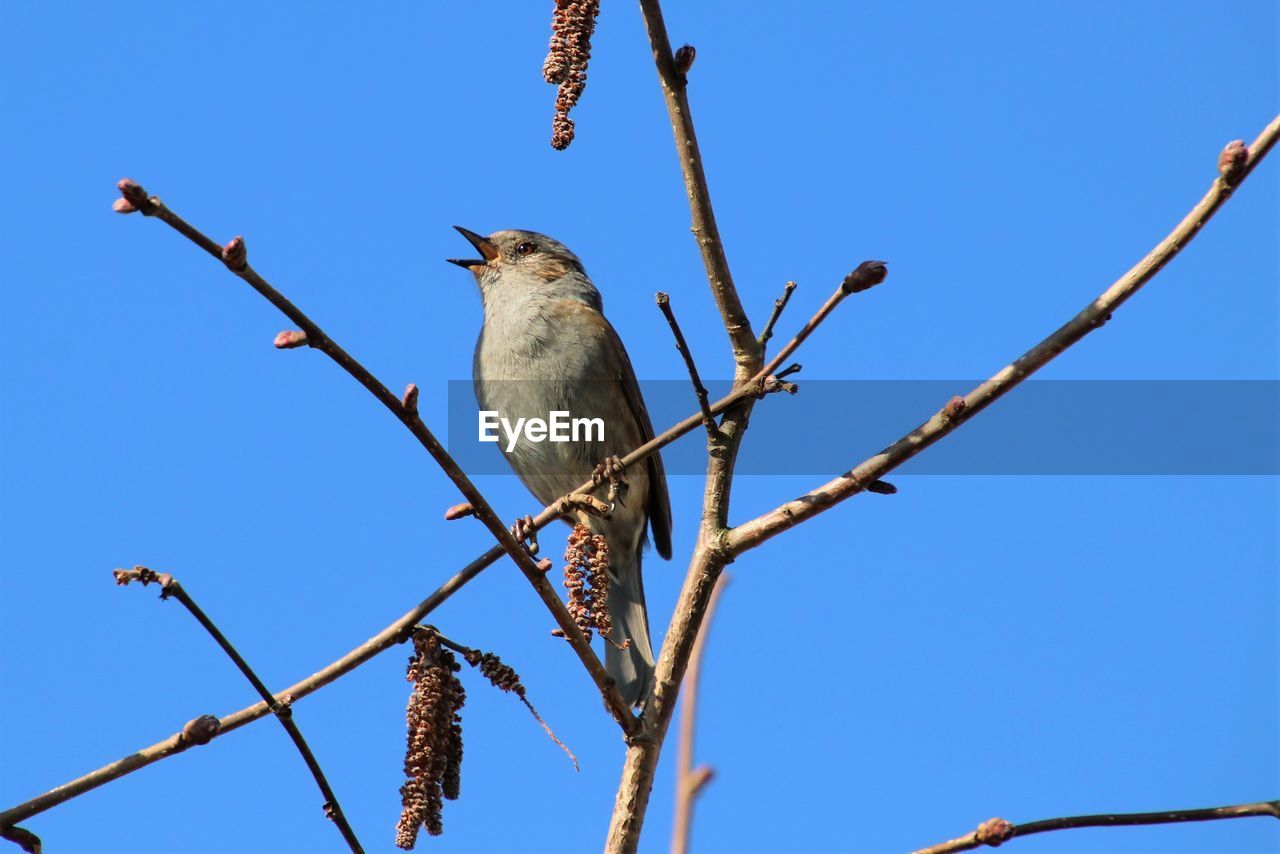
{"x": 598, "y": 574}
{"x": 572, "y": 24}
{"x": 587, "y": 562}
{"x": 502, "y": 675}
{"x": 433, "y": 758}
{"x": 576, "y": 556}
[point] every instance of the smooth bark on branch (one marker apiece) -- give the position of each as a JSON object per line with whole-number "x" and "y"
{"x": 710, "y": 555}
{"x": 997, "y": 831}
{"x": 779, "y": 306}
{"x": 1235, "y": 164}
{"x": 746, "y": 349}
{"x": 690, "y": 781}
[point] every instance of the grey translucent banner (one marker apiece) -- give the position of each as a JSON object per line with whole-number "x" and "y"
{"x": 1044, "y": 427}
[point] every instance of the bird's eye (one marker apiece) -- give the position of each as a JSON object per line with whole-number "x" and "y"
{"x": 526, "y": 248}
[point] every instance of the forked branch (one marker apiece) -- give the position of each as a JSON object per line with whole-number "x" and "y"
{"x": 169, "y": 587}
{"x": 746, "y": 349}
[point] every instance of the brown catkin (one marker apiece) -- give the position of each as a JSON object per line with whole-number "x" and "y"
{"x": 434, "y": 750}
{"x": 598, "y": 573}
{"x": 451, "y": 726}
{"x": 501, "y": 675}
{"x": 505, "y": 678}
{"x": 577, "y": 559}
{"x": 572, "y": 24}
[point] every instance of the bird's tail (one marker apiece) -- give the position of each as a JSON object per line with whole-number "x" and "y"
{"x": 631, "y": 668}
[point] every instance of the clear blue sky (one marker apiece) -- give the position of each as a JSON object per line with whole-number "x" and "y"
{"x": 903, "y": 669}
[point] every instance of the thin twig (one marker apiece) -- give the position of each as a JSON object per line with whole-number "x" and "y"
{"x": 997, "y": 831}
{"x": 779, "y": 305}
{"x": 867, "y": 275}
{"x": 477, "y": 658}
{"x": 234, "y": 256}
{"x": 691, "y": 781}
{"x": 664, "y": 303}
{"x": 1235, "y": 164}
{"x": 746, "y": 350}
{"x": 169, "y": 587}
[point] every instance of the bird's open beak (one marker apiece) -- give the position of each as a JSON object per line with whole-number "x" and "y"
{"x": 486, "y": 246}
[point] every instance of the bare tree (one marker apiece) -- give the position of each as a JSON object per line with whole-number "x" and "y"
{"x": 756, "y": 376}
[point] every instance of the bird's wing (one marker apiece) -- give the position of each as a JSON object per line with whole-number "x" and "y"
{"x": 659, "y": 506}
{"x": 659, "y": 501}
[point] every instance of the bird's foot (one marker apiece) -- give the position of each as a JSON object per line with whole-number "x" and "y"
{"x": 610, "y": 470}
{"x": 523, "y": 530}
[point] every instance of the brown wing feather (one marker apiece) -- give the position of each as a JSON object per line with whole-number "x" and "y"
{"x": 659, "y": 508}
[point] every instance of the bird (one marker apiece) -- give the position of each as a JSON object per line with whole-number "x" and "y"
{"x": 545, "y": 346}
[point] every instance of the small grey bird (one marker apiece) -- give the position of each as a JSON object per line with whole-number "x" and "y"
{"x": 545, "y": 346}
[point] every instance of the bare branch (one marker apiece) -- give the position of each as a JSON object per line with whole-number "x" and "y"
{"x": 201, "y": 728}
{"x": 664, "y": 303}
{"x": 867, "y": 275}
{"x": 708, "y": 561}
{"x": 690, "y": 781}
{"x": 997, "y": 831}
{"x": 393, "y": 634}
{"x": 779, "y": 305}
{"x": 1234, "y": 169}
{"x": 235, "y": 256}
{"x": 23, "y": 838}
{"x": 746, "y": 350}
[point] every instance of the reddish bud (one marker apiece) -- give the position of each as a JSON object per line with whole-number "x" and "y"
{"x": 994, "y": 831}
{"x": 544, "y": 565}
{"x": 684, "y": 58}
{"x": 954, "y": 407}
{"x": 410, "y": 399}
{"x": 201, "y": 730}
{"x": 290, "y": 339}
{"x": 867, "y": 275}
{"x": 459, "y": 511}
{"x": 235, "y": 254}
{"x": 134, "y": 198}
{"x": 1232, "y": 160}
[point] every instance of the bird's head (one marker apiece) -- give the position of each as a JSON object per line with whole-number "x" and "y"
{"x": 517, "y": 262}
